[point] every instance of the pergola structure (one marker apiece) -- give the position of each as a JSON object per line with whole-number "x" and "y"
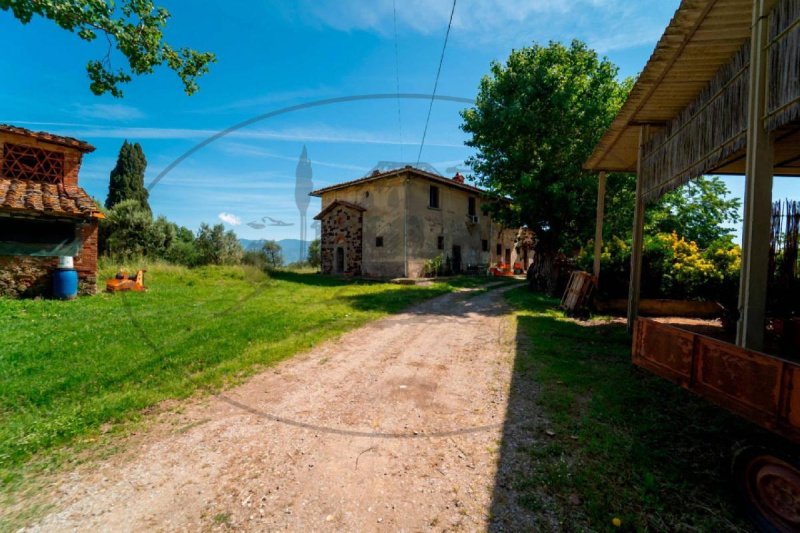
{"x": 720, "y": 94}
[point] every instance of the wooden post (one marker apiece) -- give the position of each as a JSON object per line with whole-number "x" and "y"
{"x": 598, "y": 230}
{"x": 637, "y": 244}
{"x": 757, "y": 193}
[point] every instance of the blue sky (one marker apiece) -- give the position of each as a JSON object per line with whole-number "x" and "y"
{"x": 273, "y": 54}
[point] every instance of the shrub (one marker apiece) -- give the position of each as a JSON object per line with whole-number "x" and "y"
{"x": 672, "y": 267}
{"x": 314, "y": 253}
{"x": 216, "y": 246}
{"x": 433, "y": 267}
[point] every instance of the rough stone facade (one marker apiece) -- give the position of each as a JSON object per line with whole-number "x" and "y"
{"x": 341, "y": 240}
{"x": 24, "y": 276}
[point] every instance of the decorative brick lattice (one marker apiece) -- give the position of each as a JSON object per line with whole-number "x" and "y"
{"x": 31, "y": 163}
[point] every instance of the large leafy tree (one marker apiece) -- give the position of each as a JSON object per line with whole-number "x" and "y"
{"x": 127, "y": 177}
{"x": 135, "y": 28}
{"x": 697, "y": 211}
{"x": 536, "y": 119}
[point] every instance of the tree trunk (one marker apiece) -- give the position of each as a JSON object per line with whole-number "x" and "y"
{"x": 547, "y": 272}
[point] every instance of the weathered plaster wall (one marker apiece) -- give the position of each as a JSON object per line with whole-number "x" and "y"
{"x": 508, "y": 239}
{"x": 384, "y": 201}
{"x": 450, "y": 220}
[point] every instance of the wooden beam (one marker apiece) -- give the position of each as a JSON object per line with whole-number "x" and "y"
{"x": 598, "y": 230}
{"x": 637, "y": 244}
{"x": 757, "y": 193}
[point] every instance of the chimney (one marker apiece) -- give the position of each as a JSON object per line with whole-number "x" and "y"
{"x": 458, "y": 178}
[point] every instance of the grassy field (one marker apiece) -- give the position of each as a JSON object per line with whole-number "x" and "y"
{"x": 71, "y": 373}
{"x": 617, "y": 441}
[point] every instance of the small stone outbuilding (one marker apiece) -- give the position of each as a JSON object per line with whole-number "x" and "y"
{"x": 44, "y": 214}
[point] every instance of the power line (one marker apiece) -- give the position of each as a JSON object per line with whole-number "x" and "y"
{"x": 397, "y": 77}
{"x": 436, "y": 82}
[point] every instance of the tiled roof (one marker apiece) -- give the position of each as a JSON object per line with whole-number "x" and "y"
{"x": 396, "y": 172}
{"x": 48, "y": 137}
{"x": 48, "y": 198}
{"x": 336, "y": 203}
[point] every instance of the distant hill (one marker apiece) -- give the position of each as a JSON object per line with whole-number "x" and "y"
{"x": 290, "y": 248}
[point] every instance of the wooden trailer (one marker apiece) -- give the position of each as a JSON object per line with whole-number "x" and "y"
{"x": 720, "y": 95}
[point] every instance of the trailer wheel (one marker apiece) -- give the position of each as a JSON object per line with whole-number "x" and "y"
{"x": 768, "y": 483}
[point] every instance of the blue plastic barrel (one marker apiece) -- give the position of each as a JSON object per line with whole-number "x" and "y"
{"x": 65, "y": 283}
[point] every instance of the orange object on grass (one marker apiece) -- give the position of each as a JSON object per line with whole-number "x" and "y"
{"x": 123, "y": 282}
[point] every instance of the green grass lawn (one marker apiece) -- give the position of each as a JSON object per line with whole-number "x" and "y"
{"x": 69, "y": 371}
{"x": 624, "y": 443}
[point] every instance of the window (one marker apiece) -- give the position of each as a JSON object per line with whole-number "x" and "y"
{"x": 434, "y": 197}
{"x": 379, "y": 242}
{"x": 485, "y": 245}
{"x": 440, "y": 242}
{"x": 471, "y": 208}
{"x": 499, "y": 249}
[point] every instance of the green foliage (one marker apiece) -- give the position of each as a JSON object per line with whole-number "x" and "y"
{"x": 128, "y": 230}
{"x": 272, "y": 254}
{"x": 433, "y": 267}
{"x": 127, "y": 178}
{"x": 535, "y": 121}
{"x": 672, "y": 267}
{"x": 314, "y": 258}
{"x": 697, "y": 211}
{"x": 267, "y": 257}
{"x": 215, "y": 246}
{"x": 622, "y": 443}
{"x": 135, "y": 28}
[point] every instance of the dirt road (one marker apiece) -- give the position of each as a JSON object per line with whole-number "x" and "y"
{"x": 394, "y": 426}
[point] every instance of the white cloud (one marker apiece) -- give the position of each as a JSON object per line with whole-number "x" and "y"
{"x": 605, "y": 24}
{"x": 230, "y": 218}
{"x": 111, "y": 112}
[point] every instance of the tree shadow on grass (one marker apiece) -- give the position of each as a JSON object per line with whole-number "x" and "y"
{"x": 589, "y": 438}
{"x": 320, "y": 280}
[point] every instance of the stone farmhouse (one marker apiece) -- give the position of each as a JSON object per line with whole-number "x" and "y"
{"x": 389, "y": 224}
{"x": 44, "y": 214}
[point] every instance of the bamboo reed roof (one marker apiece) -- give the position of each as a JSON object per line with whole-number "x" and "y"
{"x": 701, "y": 38}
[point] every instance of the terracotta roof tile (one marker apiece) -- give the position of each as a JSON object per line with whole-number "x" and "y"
{"x": 337, "y": 203}
{"x": 36, "y": 197}
{"x": 396, "y": 172}
{"x": 71, "y": 142}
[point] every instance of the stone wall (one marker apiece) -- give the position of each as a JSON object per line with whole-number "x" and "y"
{"x": 29, "y": 276}
{"x": 341, "y": 227}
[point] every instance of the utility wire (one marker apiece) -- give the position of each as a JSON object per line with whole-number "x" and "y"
{"x": 436, "y": 82}
{"x": 397, "y": 77}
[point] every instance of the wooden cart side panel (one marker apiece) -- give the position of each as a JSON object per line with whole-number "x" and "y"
{"x": 758, "y": 387}
{"x": 790, "y": 410}
{"x": 663, "y": 350}
{"x": 745, "y": 382}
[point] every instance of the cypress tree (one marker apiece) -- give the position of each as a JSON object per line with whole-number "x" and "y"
{"x": 127, "y": 177}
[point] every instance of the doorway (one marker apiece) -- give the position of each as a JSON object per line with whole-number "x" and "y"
{"x": 339, "y": 267}
{"x": 456, "y": 259}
